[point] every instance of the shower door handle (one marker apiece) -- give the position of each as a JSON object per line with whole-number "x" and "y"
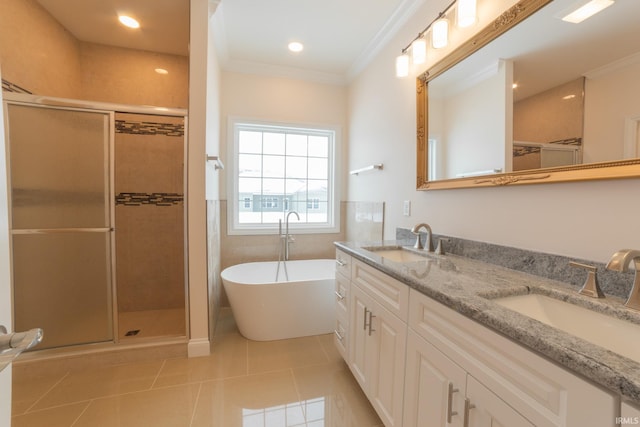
{"x": 11, "y": 345}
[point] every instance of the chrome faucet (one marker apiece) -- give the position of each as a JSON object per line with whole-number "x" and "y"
{"x": 416, "y": 230}
{"x": 287, "y": 238}
{"x": 620, "y": 261}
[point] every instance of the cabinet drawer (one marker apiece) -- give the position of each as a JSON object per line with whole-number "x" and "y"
{"x": 543, "y": 392}
{"x": 343, "y": 264}
{"x": 389, "y": 292}
{"x": 342, "y": 296}
{"x": 340, "y": 337}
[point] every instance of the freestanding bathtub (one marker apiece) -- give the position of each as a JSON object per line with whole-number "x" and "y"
{"x": 267, "y": 310}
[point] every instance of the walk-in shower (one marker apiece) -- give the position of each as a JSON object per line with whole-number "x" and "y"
{"x": 97, "y": 220}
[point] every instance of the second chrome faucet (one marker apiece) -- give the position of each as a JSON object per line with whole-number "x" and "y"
{"x": 620, "y": 261}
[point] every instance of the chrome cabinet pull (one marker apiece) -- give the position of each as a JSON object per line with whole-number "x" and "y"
{"x": 341, "y": 263}
{"x": 364, "y": 326}
{"x": 340, "y": 337}
{"x": 339, "y": 295}
{"x": 468, "y": 406}
{"x": 368, "y": 323}
{"x": 450, "y": 412}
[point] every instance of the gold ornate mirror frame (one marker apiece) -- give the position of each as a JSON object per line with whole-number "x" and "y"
{"x": 592, "y": 171}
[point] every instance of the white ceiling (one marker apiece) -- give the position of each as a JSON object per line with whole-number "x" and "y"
{"x": 251, "y": 35}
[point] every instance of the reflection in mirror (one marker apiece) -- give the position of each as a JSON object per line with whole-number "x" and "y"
{"x": 546, "y": 94}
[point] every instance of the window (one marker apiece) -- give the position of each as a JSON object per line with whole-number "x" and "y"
{"x": 279, "y": 169}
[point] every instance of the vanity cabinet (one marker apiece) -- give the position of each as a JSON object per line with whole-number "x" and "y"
{"x": 505, "y": 383}
{"x": 378, "y": 309}
{"x": 438, "y": 390}
{"x": 420, "y": 363}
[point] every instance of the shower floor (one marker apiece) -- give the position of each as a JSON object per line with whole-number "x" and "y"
{"x": 151, "y": 323}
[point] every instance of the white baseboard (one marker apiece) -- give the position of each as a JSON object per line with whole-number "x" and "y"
{"x": 198, "y": 347}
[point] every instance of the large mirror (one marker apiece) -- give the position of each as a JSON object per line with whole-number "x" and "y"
{"x": 534, "y": 99}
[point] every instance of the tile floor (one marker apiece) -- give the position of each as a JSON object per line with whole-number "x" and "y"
{"x": 296, "y": 382}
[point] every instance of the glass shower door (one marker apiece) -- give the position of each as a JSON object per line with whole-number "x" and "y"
{"x": 61, "y": 223}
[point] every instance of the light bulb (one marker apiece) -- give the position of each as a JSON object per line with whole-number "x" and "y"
{"x": 402, "y": 65}
{"x": 419, "y": 50}
{"x": 128, "y": 21}
{"x": 440, "y": 33}
{"x": 466, "y": 13}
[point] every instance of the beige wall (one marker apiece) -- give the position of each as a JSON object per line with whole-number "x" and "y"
{"x": 610, "y": 97}
{"x": 127, "y": 76}
{"x": 588, "y": 220}
{"x": 51, "y": 61}
{"x": 36, "y": 52}
{"x": 285, "y": 101}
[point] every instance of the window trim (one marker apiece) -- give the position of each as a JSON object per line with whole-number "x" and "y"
{"x": 333, "y": 209}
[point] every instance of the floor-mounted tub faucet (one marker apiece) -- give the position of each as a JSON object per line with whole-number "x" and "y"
{"x": 620, "y": 261}
{"x": 416, "y": 230}
{"x": 287, "y": 238}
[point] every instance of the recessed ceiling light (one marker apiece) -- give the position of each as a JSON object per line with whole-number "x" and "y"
{"x": 128, "y": 21}
{"x": 567, "y": 97}
{"x": 161, "y": 71}
{"x": 586, "y": 10}
{"x": 296, "y": 47}
{"x": 514, "y": 86}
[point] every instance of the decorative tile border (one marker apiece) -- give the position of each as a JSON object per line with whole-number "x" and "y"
{"x": 149, "y": 128}
{"x": 7, "y": 86}
{"x": 555, "y": 267}
{"x": 157, "y": 199}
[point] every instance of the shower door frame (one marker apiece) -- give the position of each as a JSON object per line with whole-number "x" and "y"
{"x": 110, "y": 109}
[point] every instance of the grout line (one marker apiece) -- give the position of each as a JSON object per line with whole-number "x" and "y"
{"x": 295, "y": 385}
{"x": 82, "y": 413}
{"x": 246, "y": 351}
{"x": 46, "y": 392}
{"x": 195, "y": 405}
{"x": 324, "y": 350}
{"x": 158, "y": 374}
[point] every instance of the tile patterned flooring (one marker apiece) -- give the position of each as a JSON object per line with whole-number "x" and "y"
{"x": 296, "y": 382}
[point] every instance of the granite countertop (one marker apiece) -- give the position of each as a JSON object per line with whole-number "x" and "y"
{"x": 467, "y": 286}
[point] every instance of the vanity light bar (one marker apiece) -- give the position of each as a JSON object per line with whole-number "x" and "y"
{"x": 439, "y": 35}
{"x": 587, "y": 11}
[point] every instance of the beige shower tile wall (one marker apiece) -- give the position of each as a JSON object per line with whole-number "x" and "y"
{"x": 36, "y": 52}
{"x": 150, "y": 257}
{"x": 149, "y": 237}
{"x": 365, "y": 221}
{"x": 148, "y": 163}
{"x": 237, "y": 249}
{"x": 214, "y": 282}
{"x": 563, "y": 118}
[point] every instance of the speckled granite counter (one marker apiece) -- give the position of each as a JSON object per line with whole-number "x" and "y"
{"x": 467, "y": 286}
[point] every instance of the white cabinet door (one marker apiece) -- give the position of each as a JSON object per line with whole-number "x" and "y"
{"x": 389, "y": 337}
{"x": 359, "y": 344}
{"x": 485, "y": 409}
{"x": 435, "y": 387}
{"x": 377, "y": 341}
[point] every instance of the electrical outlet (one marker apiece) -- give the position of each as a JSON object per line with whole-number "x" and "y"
{"x": 406, "y": 208}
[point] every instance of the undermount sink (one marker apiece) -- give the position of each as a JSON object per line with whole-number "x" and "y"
{"x": 399, "y": 255}
{"x": 609, "y": 332}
